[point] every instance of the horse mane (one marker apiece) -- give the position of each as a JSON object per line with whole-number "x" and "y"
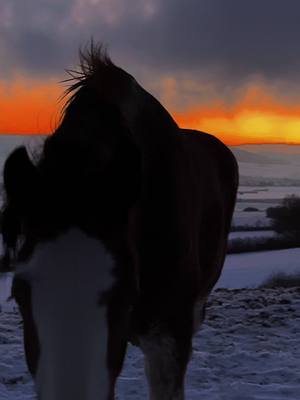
{"x": 93, "y": 60}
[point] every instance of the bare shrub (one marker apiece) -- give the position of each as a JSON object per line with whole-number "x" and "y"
{"x": 281, "y": 279}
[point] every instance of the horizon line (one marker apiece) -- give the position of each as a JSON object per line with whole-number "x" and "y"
{"x": 237, "y": 144}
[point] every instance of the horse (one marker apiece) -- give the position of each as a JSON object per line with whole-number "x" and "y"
{"x": 117, "y": 232}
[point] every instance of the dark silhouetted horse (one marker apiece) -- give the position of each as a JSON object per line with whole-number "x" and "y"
{"x": 117, "y": 232}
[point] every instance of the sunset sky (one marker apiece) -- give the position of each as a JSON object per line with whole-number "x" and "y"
{"x": 228, "y": 67}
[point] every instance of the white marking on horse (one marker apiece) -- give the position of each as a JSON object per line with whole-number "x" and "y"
{"x": 67, "y": 277}
{"x": 161, "y": 367}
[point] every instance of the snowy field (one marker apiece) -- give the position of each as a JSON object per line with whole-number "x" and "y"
{"x": 247, "y": 349}
{"x": 252, "y": 234}
{"x": 257, "y": 218}
{"x": 253, "y": 193}
{"x": 249, "y": 270}
{"x": 253, "y": 219}
{"x": 276, "y": 163}
{"x": 260, "y": 205}
{"x": 268, "y": 161}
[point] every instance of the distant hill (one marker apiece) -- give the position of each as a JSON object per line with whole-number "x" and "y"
{"x": 261, "y": 181}
{"x": 268, "y": 165}
{"x": 245, "y": 156}
{"x": 272, "y": 149}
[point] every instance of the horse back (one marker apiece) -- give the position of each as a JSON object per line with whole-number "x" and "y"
{"x": 207, "y": 180}
{"x": 183, "y": 224}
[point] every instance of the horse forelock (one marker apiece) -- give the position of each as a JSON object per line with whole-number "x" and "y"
{"x": 93, "y": 61}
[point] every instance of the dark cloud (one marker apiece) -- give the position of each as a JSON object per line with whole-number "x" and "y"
{"x": 224, "y": 40}
{"x": 233, "y": 37}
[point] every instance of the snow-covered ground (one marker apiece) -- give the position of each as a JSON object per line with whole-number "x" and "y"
{"x": 269, "y": 161}
{"x": 249, "y": 270}
{"x": 251, "y": 219}
{"x": 259, "y": 204}
{"x": 252, "y": 234}
{"x": 248, "y": 348}
{"x": 254, "y": 193}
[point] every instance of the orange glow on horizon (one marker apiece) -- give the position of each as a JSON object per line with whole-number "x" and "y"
{"x": 244, "y": 126}
{"x": 255, "y": 118}
{"x": 32, "y": 107}
{"x": 29, "y": 106}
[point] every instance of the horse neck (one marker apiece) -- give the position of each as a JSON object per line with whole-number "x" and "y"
{"x": 152, "y": 126}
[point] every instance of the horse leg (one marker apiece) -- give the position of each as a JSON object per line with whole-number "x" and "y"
{"x": 166, "y": 360}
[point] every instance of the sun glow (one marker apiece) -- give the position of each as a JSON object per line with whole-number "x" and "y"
{"x": 245, "y": 126}
{"x": 32, "y": 107}
{"x": 256, "y": 117}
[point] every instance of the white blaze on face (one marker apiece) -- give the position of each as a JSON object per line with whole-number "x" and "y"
{"x": 67, "y": 277}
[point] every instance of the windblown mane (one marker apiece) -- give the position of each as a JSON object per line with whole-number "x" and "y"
{"x": 93, "y": 60}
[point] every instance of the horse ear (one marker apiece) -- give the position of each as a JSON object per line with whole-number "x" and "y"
{"x": 19, "y": 176}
